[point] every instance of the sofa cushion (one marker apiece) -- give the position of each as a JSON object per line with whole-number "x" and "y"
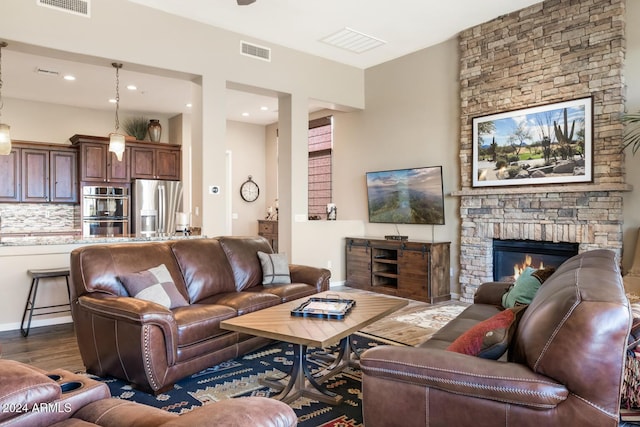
{"x": 471, "y": 316}
{"x": 275, "y": 268}
{"x": 287, "y": 291}
{"x": 155, "y": 285}
{"x": 242, "y": 254}
{"x": 102, "y": 264}
{"x": 490, "y": 338}
{"x": 204, "y": 266}
{"x": 526, "y": 286}
{"x": 245, "y": 301}
{"x": 199, "y": 322}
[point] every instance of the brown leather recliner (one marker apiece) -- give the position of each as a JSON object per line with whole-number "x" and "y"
{"x": 564, "y": 368}
{"x": 151, "y": 346}
{"x": 32, "y": 397}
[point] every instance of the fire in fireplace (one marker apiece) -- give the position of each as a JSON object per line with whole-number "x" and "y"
{"x": 511, "y": 257}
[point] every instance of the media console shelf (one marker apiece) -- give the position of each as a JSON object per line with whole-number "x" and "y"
{"x": 410, "y": 269}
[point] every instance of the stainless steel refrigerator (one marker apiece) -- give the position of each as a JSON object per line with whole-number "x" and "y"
{"x": 154, "y": 205}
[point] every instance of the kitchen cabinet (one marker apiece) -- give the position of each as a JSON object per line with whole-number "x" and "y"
{"x": 99, "y": 165}
{"x": 39, "y": 173}
{"x": 10, "y": 176}
{"x": 63, "y": 176}
{"x": 141, "y": 160}
{"x": 155, "y": 162}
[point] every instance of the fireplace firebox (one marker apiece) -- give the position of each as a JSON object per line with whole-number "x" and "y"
{"x": 510, "y": 257}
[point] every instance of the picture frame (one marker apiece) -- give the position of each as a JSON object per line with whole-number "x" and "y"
{"x": 546, "y": 144}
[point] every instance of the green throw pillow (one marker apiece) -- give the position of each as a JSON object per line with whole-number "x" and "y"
{"x": 523, "y": 290}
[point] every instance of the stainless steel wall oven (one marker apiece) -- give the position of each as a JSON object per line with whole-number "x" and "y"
{"x": 105, "y": 211}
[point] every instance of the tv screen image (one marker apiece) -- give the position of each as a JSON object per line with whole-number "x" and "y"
{"x": 406, "y": 196}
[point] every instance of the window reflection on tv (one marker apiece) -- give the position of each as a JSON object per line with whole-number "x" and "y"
{"x": 406, "y": 196}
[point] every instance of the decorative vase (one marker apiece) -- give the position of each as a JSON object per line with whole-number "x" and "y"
{"x": 155, "y": 130}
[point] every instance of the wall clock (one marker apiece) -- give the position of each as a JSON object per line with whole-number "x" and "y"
{"x": 249, "y": 190}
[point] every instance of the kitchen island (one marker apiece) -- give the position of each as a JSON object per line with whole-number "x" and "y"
{"x": 20, "y": 252}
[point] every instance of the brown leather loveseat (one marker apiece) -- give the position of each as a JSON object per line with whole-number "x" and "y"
{"x": 564, "y": 366}
{"x": 152, "y": 346}
{"x": 31, "y": 397}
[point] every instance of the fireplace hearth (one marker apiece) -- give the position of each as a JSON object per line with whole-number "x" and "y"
{"x": 510, "y": 257}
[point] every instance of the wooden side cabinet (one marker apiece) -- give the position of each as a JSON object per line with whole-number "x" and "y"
{"x": 269, "y": 230}
{"x": 410, "y": 269}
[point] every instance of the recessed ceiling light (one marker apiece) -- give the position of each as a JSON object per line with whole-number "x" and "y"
{"x": 263, "y": 108}
{"x": 245, "y": 114}
{"x": 189, "y": 105}
{"x": 132, "y": 87}
{"x": 113, "y": 101}
{"x": 69, "y": 77}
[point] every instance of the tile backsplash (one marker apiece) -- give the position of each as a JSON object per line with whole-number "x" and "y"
{"x": 38, "y": 217}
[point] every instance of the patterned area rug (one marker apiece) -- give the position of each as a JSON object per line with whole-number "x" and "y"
{"x": 415, "y": 324}
{"x": 433, "y": 317}
{"x": 239, "y": 377}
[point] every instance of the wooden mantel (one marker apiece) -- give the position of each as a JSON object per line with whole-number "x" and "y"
{"x": 536, "y": 189}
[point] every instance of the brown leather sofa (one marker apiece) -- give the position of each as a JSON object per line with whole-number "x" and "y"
{"x": 564, "y": 366}
{"x": 31, "y": 397}
{"x": 151, "y": 346}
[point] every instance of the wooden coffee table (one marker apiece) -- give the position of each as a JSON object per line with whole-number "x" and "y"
{"x": 277, "y": 323}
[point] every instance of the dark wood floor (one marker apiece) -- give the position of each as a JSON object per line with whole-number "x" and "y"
{"x": 47, "y": 347}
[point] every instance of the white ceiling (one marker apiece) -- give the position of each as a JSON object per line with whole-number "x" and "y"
{"x": 404, "y": 25}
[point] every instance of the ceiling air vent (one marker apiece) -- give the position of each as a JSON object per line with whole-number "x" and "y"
{"x": 76, "y": 7}
{"x": 255, "y": 51}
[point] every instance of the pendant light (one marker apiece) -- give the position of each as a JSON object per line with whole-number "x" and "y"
{"x": 5, "y": 137}
{"x": 116, "y": 139}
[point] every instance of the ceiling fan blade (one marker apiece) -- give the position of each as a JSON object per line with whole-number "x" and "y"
{"x": 245, "y": 2}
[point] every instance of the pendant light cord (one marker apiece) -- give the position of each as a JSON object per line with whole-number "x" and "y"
{"x": 2, "y": 44}
{"x": 117, "y": 67}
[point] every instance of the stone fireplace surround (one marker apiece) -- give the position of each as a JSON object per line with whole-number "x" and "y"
{"x": 553, "y": 51}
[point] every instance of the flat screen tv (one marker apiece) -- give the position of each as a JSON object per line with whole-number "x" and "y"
{"x": 406, "y": 196}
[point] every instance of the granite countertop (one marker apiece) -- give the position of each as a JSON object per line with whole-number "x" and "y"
{"x": 75, "y": 238}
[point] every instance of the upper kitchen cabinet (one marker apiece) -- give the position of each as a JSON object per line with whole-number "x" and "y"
{"x": 98, "y": 164}
{"x": 47, "y": 173}
{"x": 155, "y": 162}
{"x": 141, "y": 160}
{"x": 10, "y": 176}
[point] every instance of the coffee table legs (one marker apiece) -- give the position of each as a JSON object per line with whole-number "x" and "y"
{"x": 303, "y": 383}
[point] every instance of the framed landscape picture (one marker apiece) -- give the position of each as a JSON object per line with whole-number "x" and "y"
{"x": 548, "y": 144}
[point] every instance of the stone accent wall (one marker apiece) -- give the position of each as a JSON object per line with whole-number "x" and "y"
{"x": 553, "y": 51}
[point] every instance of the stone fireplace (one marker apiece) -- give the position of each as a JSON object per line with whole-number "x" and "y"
{"x": 553, "y": 51}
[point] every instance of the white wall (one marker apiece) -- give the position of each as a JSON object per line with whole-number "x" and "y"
{"x": 411, "y": 119}
{"x": 247, "y": 145}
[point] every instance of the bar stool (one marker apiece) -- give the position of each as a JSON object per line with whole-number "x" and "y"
{"x": 30, "y": 306}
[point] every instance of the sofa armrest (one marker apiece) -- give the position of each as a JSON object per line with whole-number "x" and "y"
{"x": 491, "y": 293}
{"x": 137, "y": 311}
{"x": 462, "y": 375}
{"x": 318, "y": 277}
{"x": 239, "y": 412}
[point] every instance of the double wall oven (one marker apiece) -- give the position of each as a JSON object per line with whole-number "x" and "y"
{"x": 105, "y": 211}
